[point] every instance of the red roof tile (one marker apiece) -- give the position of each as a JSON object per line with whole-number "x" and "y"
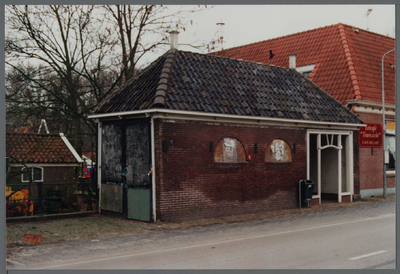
{"x": 23, "y": 130}
{"x": 347, "y": 60}
{"x": 38, "y": 148}
{"x": 89, "y": 154}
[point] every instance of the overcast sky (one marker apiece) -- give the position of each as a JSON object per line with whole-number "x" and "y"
{"x": 246, "y": 24}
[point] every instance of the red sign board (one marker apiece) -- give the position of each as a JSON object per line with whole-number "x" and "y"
{"x": 370, "y": 136}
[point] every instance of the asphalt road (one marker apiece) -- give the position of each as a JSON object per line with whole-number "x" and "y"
{"x": 361, "y": 237}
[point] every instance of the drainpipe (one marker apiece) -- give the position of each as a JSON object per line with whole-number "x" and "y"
{"x": 384, "y": 124}
{"x": 99, "y": 135}
{"x": 153, "y": 171}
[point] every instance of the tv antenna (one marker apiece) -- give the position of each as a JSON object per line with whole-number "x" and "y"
{"x": 367, "y": 14}
{"x": 43, "y": 124}
{"x": 220, "y": 34}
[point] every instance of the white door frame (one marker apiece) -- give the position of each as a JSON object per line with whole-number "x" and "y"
{"x": 338, "y": 147}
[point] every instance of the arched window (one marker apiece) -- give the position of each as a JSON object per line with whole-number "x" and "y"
{"x": 229, "y": 150}
{"x": 278, "y": 151}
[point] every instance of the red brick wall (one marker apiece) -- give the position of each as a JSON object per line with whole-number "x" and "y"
{"x": 371, "y": 161}
{"x": 190, "y": 185}
{"x": 51, "y": 175}
{"x": 61, "y": 174}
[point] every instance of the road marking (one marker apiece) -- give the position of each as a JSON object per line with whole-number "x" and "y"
{"x": 368, "y": 255}
{"x": 215, "y": 243}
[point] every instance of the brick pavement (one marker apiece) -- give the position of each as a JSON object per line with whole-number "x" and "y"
{"x": 19, "y": 259}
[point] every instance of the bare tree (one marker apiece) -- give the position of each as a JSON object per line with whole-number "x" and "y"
{"x": 142, "y": 29}
{"x": 71, "y": 57}
{"x": 70, "y": 47}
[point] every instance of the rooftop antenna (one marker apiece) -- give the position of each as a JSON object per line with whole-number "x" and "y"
{"x": 367, "y": 14}
{"x": 43, "y": 123}
{"x": 220, "y": 34}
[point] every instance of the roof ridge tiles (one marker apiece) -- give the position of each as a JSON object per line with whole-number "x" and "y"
{"x": 350, "y": 63}
{"x": 368, "y": 31}
{"x": 234, "y": 59}
{"x": 161, "y": 91}
{"x": 129, "y": 82}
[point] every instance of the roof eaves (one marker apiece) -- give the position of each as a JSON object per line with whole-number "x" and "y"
{"x": 71, "y": 148}
{"x": 161, "y": 92}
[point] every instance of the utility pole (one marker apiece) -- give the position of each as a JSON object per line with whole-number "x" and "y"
{"x": 384, "y": 124}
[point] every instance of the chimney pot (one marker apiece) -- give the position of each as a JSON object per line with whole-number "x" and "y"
{"x": 174, "y": 39}
{"x": 292, "y": 60}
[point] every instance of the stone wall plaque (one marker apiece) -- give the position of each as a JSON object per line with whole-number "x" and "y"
{"x": 229, "y": 150}
{"x": 278, "y": 151}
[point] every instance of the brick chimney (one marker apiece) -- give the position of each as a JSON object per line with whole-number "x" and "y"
{"x": 292, "y": 60}
{"x": 174, "y": 39}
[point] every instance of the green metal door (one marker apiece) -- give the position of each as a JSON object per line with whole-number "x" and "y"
{"x": 139, "y": 204}
{"x": 138, "y": 164}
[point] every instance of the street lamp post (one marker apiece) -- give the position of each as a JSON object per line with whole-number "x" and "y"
{"x": 384, "y": 123}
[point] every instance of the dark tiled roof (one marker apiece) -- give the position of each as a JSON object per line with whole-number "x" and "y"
{"x": 38, "y": 148}
{"x": 138, "y": 93}
{"x": 204, "y": 83}
{"x": 347, "y": 60}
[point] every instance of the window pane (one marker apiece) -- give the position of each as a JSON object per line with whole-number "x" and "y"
{"x": 391, "y": 161}
{"x": 25, "y": 175}
{"x": 37, "y": 174}
{"x": 391, "y": 146}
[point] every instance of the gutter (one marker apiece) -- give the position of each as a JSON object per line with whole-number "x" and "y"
{"x": 165, "y": 112}
{"x": 369, "y": 104}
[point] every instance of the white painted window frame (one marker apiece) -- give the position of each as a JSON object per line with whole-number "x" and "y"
{"x": 34, "y": 181}
{"x": 305, "y": 69}
{"x": 349, "y": 162}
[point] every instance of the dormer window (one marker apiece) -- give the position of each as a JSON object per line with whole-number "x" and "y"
{"x": 305, "y": 70}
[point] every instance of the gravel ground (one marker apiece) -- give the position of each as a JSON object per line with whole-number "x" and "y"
{"x": 103, "y": 226}
{"x": 61, "y": 239}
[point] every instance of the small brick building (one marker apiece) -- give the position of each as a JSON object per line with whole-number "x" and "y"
{"x": 50, "y": 157}
{"x": 195, "y": 136}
